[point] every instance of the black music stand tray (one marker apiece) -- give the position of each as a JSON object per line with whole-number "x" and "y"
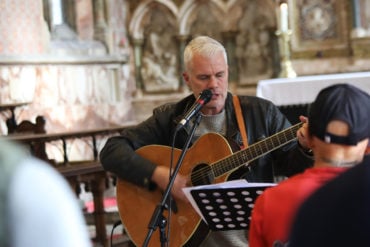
{"x": 227, "y": 208}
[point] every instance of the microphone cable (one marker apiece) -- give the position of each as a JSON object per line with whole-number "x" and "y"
{"x": 117, "y": 223}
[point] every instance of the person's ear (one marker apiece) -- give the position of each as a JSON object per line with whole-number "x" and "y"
{"x": 186, "y": 78}
{"x": 310, "y": 140}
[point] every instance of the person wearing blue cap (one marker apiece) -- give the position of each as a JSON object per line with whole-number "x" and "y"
{"x": 339, "y": 131}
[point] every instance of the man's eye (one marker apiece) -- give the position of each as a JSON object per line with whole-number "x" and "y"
{"x": 203, "y": 78}
{"x": 220, "y": 75}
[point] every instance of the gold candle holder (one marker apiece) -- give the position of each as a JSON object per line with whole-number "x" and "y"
{"x": 287, "y": 70}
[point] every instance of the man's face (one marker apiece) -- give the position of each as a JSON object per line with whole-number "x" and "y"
{"x": 209, "y": 73}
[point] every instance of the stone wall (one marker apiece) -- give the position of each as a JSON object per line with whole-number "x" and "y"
{"x": 74, "y": 81}
{"x": 111, "y": 62}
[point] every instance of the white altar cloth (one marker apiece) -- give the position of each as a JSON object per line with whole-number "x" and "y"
{"x": 304, "y": 89}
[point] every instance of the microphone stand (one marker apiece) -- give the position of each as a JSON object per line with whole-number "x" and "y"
{"x": 158, "y": 219}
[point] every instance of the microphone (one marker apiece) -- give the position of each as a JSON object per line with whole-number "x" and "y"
{"x": 204, "y": 97}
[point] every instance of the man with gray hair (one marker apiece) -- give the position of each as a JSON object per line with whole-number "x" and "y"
{"x": 206, "y": 70}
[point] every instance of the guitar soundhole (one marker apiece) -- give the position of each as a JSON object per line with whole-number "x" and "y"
{"x": 201, "y": 174}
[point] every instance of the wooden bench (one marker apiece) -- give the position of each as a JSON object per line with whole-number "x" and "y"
{"x": 90, "y": 172}
{"x": 11, "y": 121}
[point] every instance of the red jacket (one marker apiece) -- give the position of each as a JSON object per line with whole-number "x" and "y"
{"x": 274, "y": 210}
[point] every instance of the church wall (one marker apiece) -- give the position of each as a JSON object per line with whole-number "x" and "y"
{"x": 75, "y": 74}
{"x": 74, "y": 82}
{"x": 111, "y": 62}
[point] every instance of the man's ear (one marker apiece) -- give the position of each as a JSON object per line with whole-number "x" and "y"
{"x": 186, "y": 77}
{"x": 310, "y": 141}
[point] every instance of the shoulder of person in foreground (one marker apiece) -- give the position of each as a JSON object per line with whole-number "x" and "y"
{"x": 44, "y": 211}
{"x": 338, "y": 214}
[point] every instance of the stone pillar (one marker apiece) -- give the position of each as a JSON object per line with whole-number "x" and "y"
{"x": 229, "y": 43}
{"x": 357, "y": 29}
{"x": 100, "y": 23}
{"x": 99, "y": 14}
{"x": 138, "y": 48}
{"x": 182, "y": 39}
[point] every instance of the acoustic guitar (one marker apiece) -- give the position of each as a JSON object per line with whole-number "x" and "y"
{"x": 208, "y": 160}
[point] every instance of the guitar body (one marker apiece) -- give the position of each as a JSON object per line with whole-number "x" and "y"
{"x": 136, "y": 205}
{"x": 209, "y": 160}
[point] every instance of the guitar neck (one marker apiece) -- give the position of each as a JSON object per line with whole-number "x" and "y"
{"x": 255, "y": 151}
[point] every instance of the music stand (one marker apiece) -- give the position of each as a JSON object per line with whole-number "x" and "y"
{"x": 227, "y": 208}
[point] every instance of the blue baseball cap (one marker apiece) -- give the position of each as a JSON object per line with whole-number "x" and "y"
{"x": 342, "y": 102}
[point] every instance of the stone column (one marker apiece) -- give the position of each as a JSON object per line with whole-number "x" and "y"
{"x": 100, "y": 23}
{"x": 138, "y": 48}
{"x": 229, "y": 43}
{"x": 182, "y": 39}
{"x": 357, "y": 29}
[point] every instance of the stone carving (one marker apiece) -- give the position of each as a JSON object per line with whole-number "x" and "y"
{"x": 253, "y": 45}
{"x": 159, "y": 67}
{"x": 206, "y": 23}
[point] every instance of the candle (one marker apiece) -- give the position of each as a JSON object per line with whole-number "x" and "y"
{"x": 284, "y": 17}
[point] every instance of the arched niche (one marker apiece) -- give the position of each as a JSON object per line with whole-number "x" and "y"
{"x": 202, "y": 18}
{"x": 153, "y": 29}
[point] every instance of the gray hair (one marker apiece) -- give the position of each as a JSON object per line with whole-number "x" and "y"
{"x": 204, "y": 46}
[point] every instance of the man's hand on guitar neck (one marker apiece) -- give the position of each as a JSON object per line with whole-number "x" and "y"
{"x": 302, "y": 134}
{"x": 161, "y": 178}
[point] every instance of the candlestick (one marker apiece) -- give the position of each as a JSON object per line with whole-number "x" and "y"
{"x": 287, "y": 70}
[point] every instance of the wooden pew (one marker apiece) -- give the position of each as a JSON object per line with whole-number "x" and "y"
{"x": 92, "y": 173}
{"x": 11, "y": 121}
{"x": 31, "y": 139}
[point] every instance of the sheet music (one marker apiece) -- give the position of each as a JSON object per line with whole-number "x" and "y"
{"x": 240, "y": 183}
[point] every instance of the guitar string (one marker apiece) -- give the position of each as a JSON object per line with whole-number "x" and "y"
{"x": 241, "y": 157}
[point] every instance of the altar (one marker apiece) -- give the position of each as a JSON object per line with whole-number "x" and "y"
{"x": 303, "y": 90}
{"x": 293, "y": 95}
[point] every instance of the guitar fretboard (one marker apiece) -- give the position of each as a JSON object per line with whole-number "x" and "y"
{"x": 255, "y": 151}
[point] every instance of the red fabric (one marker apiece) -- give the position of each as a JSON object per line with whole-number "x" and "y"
{"x": 275, "y": 208}
{"x": 109, "y": 202}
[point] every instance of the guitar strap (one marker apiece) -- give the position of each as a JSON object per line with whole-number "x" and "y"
{"x": 239, "y": 118}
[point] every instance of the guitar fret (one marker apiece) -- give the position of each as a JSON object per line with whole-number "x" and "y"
{"x": 255, "y": 151}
